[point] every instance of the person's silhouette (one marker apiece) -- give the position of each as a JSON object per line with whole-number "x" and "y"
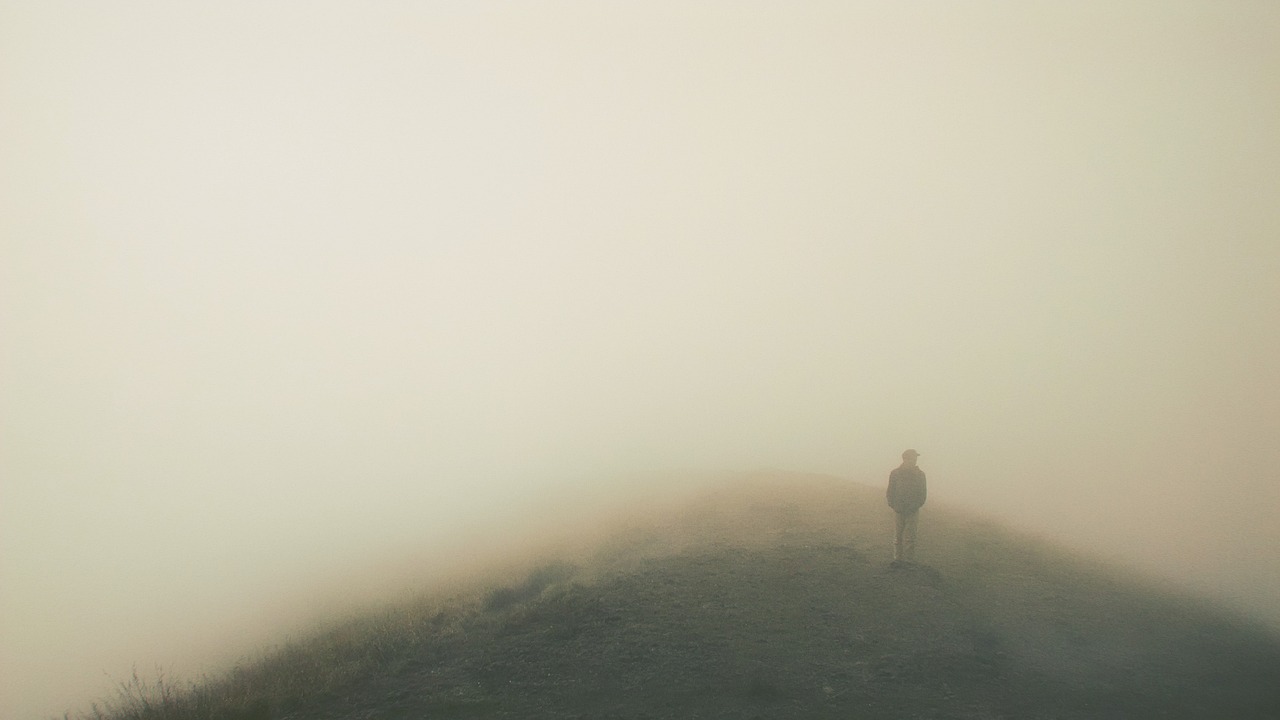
{"x": 906, "y": 493}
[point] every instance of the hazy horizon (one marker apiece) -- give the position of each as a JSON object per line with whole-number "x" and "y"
{"x": 289, "y": 288}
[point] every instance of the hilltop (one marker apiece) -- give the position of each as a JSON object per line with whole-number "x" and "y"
{"x": 772, "y": 598}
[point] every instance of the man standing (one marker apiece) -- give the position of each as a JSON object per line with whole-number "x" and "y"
{"x": 906, "y": 494}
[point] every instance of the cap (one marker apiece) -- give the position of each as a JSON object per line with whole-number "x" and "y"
{"x": 910, "y": 453}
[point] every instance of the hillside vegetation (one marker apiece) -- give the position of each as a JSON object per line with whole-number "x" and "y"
{"x": 770, "y": 598}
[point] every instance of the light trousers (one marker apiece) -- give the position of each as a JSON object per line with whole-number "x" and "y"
{"x": 904, "y": 536}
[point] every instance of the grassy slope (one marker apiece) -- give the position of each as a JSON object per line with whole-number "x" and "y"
{"x": 773, "y": 598}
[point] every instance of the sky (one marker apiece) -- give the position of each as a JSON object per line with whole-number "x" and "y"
{"x": 288, "y": 288}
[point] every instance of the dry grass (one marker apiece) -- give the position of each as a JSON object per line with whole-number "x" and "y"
{"x": 769, "y": 598}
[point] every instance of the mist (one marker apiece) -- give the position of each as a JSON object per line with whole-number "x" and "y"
{"x": 301, "y": 301}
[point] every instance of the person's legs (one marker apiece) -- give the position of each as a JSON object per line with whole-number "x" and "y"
{"x": 907, "y": 534}
{"x": 899, "y": 528}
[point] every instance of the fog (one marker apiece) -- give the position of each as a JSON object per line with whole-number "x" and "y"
{"x": 300, "y": 299}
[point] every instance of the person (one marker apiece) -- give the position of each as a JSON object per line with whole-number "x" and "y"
{"x": 906, "y": 494}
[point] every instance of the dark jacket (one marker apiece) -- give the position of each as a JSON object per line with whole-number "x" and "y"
{"x": 907, "y": 489}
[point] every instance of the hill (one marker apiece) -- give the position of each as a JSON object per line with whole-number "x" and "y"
{"x": 772, "y": 598}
